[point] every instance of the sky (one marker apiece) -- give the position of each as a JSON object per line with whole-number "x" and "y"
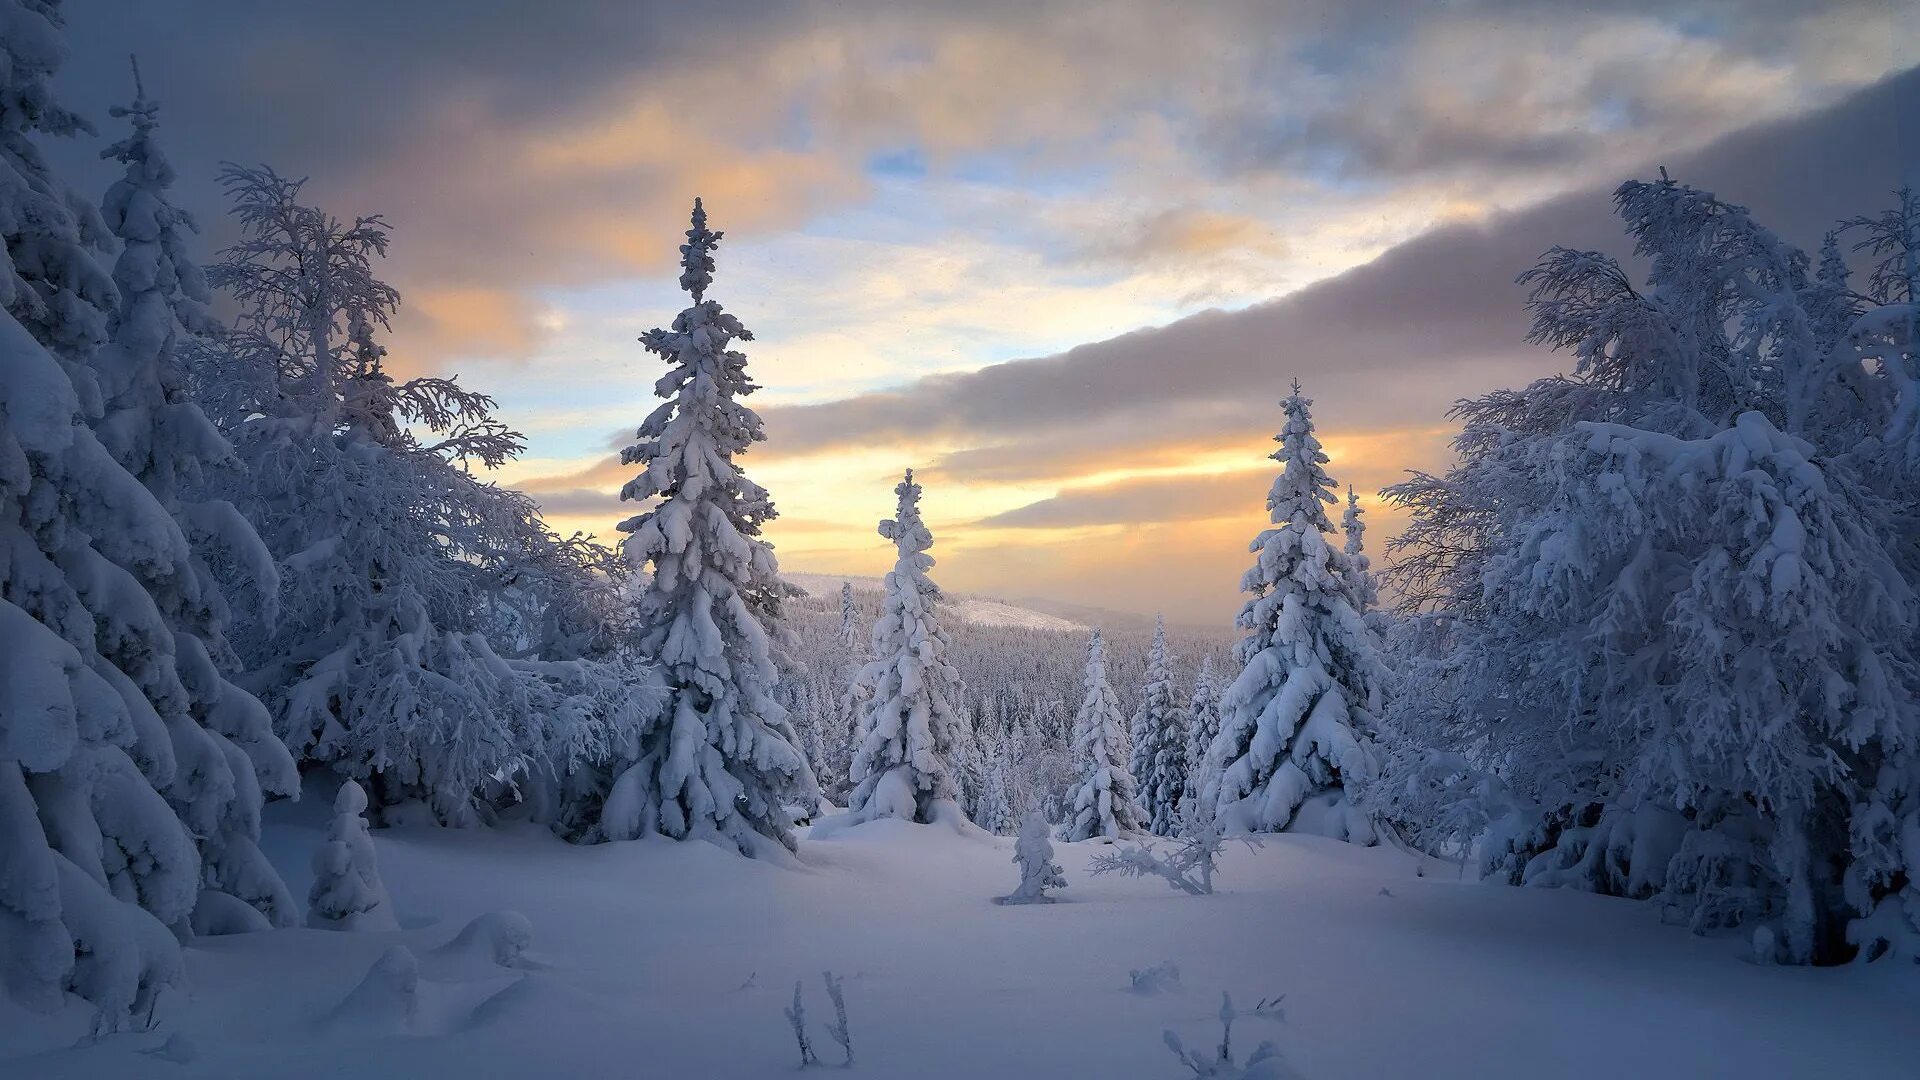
{"x": 1062, "y": 259}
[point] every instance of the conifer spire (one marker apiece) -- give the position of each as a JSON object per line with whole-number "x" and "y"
{"x": 696, "y": 255}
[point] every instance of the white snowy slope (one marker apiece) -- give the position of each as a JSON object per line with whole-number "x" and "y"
{"x": 974, "y": 610}
{"x": 657, "y": 959}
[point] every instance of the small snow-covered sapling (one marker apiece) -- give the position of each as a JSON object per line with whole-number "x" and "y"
{"x": 796, "y": 1015}
{"x": 1033, "y": 853}
{"x": 347, "y": 892}
{"x": 1222, "y": 1065}
{"x": 838, "y": 1029}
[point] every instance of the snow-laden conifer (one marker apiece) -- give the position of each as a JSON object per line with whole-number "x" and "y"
{"x": 347, "y": 892}
{"x": 911, "y": 733}
{"x": 1294, "y": 723}
{"x": 1203, "y": 724}
{"x": 1102, "y": 802}
{"x": 97, "y": 868}
{"x": 849, "y": 617}
{"x": 226, "y": 753}
{"x": 722, "y": 759}
{"x": 997, "y": 813}
{"x": 1360, "y": 580}
{"x": 1159, "y": 741}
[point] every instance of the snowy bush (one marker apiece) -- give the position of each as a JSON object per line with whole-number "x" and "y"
{"x": 1188, "y": 865}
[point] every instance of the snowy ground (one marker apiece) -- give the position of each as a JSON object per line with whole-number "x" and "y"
{"x": 654, "y": 959}
{"x": 977, "y": 610}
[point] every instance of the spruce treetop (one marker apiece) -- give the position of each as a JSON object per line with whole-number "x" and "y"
{"x": 696, "y": 255}
{"x": 1303, "y": 490}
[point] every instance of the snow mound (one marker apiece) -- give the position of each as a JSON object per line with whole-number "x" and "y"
{"x": 217, "y": 913}
{"x": 1158, "y": 979}
{"x": 497, "y": 939}
{"x": 393, "y": 998}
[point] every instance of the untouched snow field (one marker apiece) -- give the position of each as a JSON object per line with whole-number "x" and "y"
{"x": 656, "y": 959}
{"x": 974, "y": 610}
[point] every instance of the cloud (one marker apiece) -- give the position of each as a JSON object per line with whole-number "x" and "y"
{"x": 1390, "y": 342}
{"x": 523, "y": 155}
{"x": 1154, "y": 499}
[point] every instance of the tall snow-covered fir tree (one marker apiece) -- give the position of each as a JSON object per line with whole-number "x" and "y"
{"x": 227, "y": 756}
{"x": 1695, "y": 553}
{"x": 394, "y": 553}
{"x": 1102, "y": 802}
{"x": 1159, "y": 741}
{"x": 1203, "y": 724}
{"x": 97, "y": 725}
{"x": 722, "y": 759}
{"x": 1294, "y": 724}
{"x": 910, "y": 734}
{"x": 1360, "y": 580}
{"x": 997, "y": 812}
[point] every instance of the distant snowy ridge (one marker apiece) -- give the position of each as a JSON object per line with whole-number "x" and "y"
{"x": 974, "y": 610}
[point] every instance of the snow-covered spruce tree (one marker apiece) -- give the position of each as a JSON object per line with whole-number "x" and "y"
{"x": 96, "y": 866}
{"x": 1692, "y": 552}
{"x": 347, "y": 892}
{"x": 849, "y": 617}
{"x": 1159, "y": 741}
{"x": 1361, "y": 585}
{"x": 1294, "y": 724}
{"x": 1102, "y": 803}
{"x": 997, "y": 813}
{"x": 223, "y": 740}
{"x": 911, "y": 732}
{"x": 393, "y": 552}
{"x": 1203, "y": 724}
{"x": 722, "y": 759}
